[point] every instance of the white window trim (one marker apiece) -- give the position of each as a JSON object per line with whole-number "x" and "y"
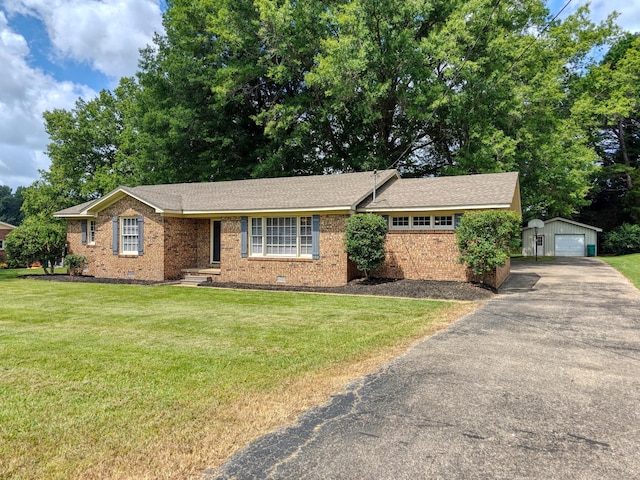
{"x": 122, "y": 236}
{"x": 2, "y": 244}
{"x": 263, "y": 224}
{"x": 431, "y": 226}
{"x": 91, "y": 232}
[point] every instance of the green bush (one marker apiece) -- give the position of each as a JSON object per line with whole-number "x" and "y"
{"x": 75, "y": 263}
{"x": 37, "y": 239}
{"x": 365, "y": 237}
{"x": 623, "y": 240}
{"x": 486, "y": 239}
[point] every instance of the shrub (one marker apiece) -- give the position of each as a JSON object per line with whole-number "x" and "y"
{"x": 75, "y": 263}
{"x": 622, "y": 240}
{"x": 486, "y": 239}
{"x": 37, "y": 239}
{"x": 366, "y": 234}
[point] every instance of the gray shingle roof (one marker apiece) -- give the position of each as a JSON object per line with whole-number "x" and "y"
{"x": 320, "y": 193}
{"x": 317, "y": 192}
{"x": 447, "y": 192}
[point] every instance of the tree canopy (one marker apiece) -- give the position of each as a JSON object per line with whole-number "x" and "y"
{"x": 259, "y": 88}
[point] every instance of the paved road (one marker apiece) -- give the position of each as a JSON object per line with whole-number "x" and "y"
{"x": 542, "y": 382}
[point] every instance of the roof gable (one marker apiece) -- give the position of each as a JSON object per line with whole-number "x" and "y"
{"x": 5, "y": 225}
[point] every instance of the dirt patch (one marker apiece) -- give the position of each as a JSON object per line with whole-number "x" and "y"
{"x": 383, "y": 287}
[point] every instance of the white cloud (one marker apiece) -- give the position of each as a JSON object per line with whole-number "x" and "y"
{"x": 629, "y": 11}
{"x": 105, "y": 34}
{"x": 25, "y": 93}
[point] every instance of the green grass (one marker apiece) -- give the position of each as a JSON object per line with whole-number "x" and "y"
{"x": 628, "y": 265}
{"x": 96, "y": 377}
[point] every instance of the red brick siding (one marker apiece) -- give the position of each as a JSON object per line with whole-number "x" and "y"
{"x": 101, "y": 260}
{"x": 181, "y": 245}
{"x": 329, "y": 270}
{"x": 430, "y": 255}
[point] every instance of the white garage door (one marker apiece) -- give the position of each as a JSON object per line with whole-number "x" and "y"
{"x": 570, "y": 245}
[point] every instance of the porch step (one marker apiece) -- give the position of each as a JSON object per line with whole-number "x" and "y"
{"x": 193, "y": 279}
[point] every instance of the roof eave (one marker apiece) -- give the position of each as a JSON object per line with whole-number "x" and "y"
{"x": 434, "y": 208}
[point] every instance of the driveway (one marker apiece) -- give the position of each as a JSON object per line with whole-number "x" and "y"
{"x": 541, "y": 382}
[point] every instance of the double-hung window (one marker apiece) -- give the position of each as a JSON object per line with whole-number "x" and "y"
{"x": 91, "y": 232}
{"x": 129, "y": 235}
{"x": 281, "y": 237}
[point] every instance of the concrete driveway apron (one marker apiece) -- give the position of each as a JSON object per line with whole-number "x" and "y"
{"x": 541, "y": 382}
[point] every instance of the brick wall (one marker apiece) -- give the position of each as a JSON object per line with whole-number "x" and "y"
{"x": 430, "y": 255}
{"x": 181, "y": 245}
{"x": 329, "y": 270}
{"x": 103, "y": 263}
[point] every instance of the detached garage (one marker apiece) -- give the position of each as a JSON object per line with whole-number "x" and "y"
{"x": 560, "y": 237}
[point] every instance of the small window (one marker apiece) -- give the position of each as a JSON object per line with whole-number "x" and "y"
{"x": 129, "y": 236}
{"x": 400, "y": 222}
{"x": 1, "y": 244}
{"x": 91, "y": 233}
{"x": 421, "y": 222}
{"x": 443, "y": 221}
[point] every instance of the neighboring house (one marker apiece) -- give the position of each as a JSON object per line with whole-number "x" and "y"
{"x": 561, "y": 238}
{"x": 5, "y": 229}
{"x": 281, "y": 230}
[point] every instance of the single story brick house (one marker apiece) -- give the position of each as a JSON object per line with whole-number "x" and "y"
{"x": 5, "y": 229}
{"x": 286, "y": 230}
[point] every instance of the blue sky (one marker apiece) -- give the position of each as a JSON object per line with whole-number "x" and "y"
{"x": 54, "y": 51}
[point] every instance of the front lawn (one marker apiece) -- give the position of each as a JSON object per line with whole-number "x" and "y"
{"x": 127, "y": 381}
{"x": 628, "y": 265}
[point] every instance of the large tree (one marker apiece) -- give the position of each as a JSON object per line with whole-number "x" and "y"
{"x": 10, "y": 204}
{"x": 610, "y": 105}
{"x": 88, "y": 151}
{"x": 278, "y": 87}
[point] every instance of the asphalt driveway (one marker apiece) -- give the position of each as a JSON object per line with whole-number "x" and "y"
{"x": 541, "y": 382}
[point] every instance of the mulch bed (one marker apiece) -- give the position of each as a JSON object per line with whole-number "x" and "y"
{"x": 376, "y": 287}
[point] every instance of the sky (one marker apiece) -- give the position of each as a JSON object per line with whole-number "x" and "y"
{"x": 54, "y": 51}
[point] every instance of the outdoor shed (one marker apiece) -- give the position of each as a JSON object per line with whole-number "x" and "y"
{"x": 561, "y": 238}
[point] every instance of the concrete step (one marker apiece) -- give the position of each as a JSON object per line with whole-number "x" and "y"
{"x": 195, "y": 279}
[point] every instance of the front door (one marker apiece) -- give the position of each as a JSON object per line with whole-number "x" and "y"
{"x": 215, "y": 241}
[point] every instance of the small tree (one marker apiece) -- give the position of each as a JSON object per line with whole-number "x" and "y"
{"x": 38, "y": 239}
{"x": 365, "y": 238}
{"x": 486, "y": 239}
